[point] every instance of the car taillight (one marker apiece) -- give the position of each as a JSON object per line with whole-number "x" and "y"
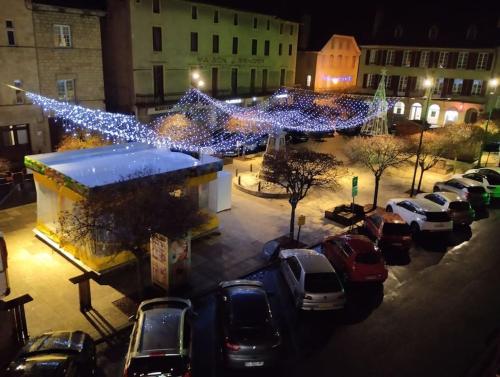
{"x": 231, "y": 346}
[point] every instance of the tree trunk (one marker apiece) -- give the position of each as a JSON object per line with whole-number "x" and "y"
{"x": 420, "y": 179}
{"x": 375, "y": 193}
{"x": 292, "y": 221}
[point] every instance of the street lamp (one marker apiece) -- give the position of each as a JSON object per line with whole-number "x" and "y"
{"x": 428, "y": 84}
{"x": 493, "y": 83}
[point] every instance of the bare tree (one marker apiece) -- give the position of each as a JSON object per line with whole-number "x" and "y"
{"x": 299, "y": 170}
{"x": 377, "y": 153}
{"x": 81, "y": 140}
{"x": 124, "y": 215}
{"x": 432, "y": 150}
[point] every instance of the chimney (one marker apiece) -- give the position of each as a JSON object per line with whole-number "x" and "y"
{"x": 304, "y": 32}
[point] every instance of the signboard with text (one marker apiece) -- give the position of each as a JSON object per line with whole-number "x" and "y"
{"x": 159, "y": 260}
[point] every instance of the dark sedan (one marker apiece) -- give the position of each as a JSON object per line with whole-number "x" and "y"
{"x": 249, "y": 337}
{"x": 57, "y": 354}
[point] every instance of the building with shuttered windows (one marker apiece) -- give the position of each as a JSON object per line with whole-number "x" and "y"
{"x": 459, "y": 58}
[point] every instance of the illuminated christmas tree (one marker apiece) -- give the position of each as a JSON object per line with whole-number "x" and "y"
{"x": 376, "y": 119}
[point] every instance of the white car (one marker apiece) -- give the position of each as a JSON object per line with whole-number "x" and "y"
{"x": 460, "y": 210}
{"x": 488, "y": 177}
{"x": 467, "y": 189}
{"x": 421, "y": 214}
{"x": 312, "y": 280}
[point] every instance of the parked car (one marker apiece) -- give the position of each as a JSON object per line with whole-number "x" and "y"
{"x": 55, "y": 354}
{"x": 160, "y": 343}
{"x": 389, "y": 230}
{"x": 421, "y": 215}
{"x": 488, "y": 177}
{"x": 460, "y": 211}
{"x": 467, "y": 189}
{"x": 312, "y": 280}
{"x": 4, "y": 276}
{"x": 249, "y": 337}
{"x": 356, "y": 257}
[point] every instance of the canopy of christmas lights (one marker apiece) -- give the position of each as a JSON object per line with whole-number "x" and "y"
{"x": 199, "y": 121}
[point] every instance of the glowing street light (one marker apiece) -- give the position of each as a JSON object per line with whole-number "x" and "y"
{"x": 195, "y": 75}
{"x": 427, "y": 83}
{"x": 201, "y": 84}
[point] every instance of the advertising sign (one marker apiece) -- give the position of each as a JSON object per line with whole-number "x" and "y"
{"x": 159, "y": 260}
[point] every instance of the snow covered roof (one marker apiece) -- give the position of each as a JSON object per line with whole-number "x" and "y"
{"x": 113, "y": 163}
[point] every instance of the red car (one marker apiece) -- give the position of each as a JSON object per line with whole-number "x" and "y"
{"x": 389, "y": 230}
{"x": 357, "y": 257}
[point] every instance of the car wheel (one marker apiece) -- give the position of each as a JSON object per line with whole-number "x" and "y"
{"x": 388, "y": 209}
{"x": 415, "y": 229}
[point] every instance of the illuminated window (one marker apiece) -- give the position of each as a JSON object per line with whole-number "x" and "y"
{"x": 450, "y": 116}
{"x": 477, "y": 87}
{"x": 416, "y": 111}
{"x": 463, "y": 57}
{"x": 389, "y": 59}
{"x": 406, "y": 58}
{"x": 388, "y": 82}
{"x": 482, "y": 59}
{"x": 433, "y": 115}
{"x": 370, "y": 80}
{"x": 62, "y": 36}
{"x": 424, "y": 59}
{"x": 438, "y": 87}
{"x": 308, "y": 80}
{"x": 403, "y": 83}
{"x": 373, "y": 54}
{"x": 399, "y": 108}
{"x": 457, "y": 86}
{"x": 443, "y": 59}
{"x": 66, "y": 90}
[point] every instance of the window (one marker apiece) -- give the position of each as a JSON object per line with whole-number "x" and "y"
{"x": 457, "y": 86}
{"x": 281, "y": 28}
{"x": 216, "y": 17}
{"x": 280, "y": 49}
{"x": 290, "y": 49}
{"x": 388, "y": 82}
{"x": 252, "y": 80}
{"x": 235, "y": 45}
{"x": 482, "y": 59}
{"x": 156, "y": 38}
{"x": 255, "y": 22}
{"x": 373, "y": 54}
{"x": 282, "y": 77}
{"x": 308, "y": 80}
{"x": 266, "y": 48}
{"x": 66, "y": 90}
{"x": 477, "y": 86}
{"x": 62, "y": 36}
{"x": 264, "y": 80}
{"x": 406, "y": 58}
{"x": 416, "y": 111}
{"x": 370, "y": 80}
{"x": 443, "y": 59}
{"x": 234, "y": 80}
{"x": 291, "y": 29}
{"x": 471, "y": 34}
{"x": 450, "y": 116}
{"x": 11, "y": 40}
{"x": 14, "y": 135}
{"x": 194, "y": 42}
{"x": 403, "y": 83}
{"x": 389, "y": 59}
{"x": 254, "y": 46}
{"x": 268, "y": 25}
{"x": 399, "y": 108}
{"x": 194, "y": 12}
{"x": 19, "y": 93}
{"x": 294, "y": 267}
{"x": 215, "y": 44}
{"x": 424, "y": 59}
{"x": 433, "y": 33}
{"x": 438, "y": 87}
{"x": 156, "y": 6}
{"x": 158, "y": 83}
{"x": 462, "y": 60}
{"x": 235, "y": 19}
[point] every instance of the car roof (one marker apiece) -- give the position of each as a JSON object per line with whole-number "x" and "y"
{"x": 53, "y": 365}
{"x": 424, "y": 204}
{"x": 59, "y": 341}
{"x": 466, "y": 181}
{"x": 449, "y": 196}
{"x": 312, "y": 263}
{"x": 358, "y": 243}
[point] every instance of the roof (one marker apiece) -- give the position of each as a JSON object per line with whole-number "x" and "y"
{"x": 112, "y": 164}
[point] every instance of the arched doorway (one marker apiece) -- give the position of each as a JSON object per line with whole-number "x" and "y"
{"x": 433, "y": 114}
{"x": 399, "y": 108}
{"x": 416, "y": 111}
{"x": 471, "y": 116}
{"x": 450, "y": 116}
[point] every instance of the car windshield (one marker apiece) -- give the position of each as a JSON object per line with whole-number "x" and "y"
{"x": 493, "y": 178}
{"x": 368, "y": 258}
{"x": 459, "y": 206}
{"x": 166, "y": 365}
{"x": 249, "y": 310}
{"x": 323, "y": 282}
{"x": 401, "y": 229}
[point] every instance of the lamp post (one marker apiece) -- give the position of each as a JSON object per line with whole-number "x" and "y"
{"x": 493, "y": 83}
{"x": 427, "y": 84}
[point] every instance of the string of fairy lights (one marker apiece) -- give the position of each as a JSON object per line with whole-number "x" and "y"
{"x": 199, "y": 121}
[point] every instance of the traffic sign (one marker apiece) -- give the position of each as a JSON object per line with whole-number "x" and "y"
{"x": 354, "y": 186}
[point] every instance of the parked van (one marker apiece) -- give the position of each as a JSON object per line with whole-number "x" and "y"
{"x": 4, "y": 279}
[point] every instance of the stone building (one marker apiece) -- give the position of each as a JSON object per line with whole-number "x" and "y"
{"x": 51, "y": 49}
{"x": 155, "y": 50}
{"x": 455, "y": 54}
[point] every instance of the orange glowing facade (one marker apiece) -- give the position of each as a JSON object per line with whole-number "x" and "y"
{"x": 333, "y": 67}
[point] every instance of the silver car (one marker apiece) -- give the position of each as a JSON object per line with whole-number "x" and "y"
{"x": 467, "y": 189}
{"x": 160, "y": 343}
{"x": 312, "y": 280}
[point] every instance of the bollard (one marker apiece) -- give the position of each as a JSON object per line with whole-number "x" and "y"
{"x": 239, "y": 180}
{"x": 258, "y": 187}
{"x": 236, "y": 172}
{"x": 251, "y": 168}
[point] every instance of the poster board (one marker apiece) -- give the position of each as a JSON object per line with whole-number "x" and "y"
{"x": 159, "y": 261}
